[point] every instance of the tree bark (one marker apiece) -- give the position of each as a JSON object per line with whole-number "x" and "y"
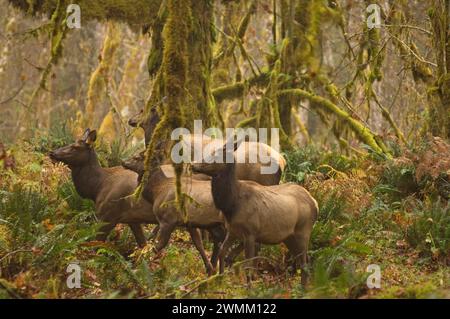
{"x": 439, "y": 93}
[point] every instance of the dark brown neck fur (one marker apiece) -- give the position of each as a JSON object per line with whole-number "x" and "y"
{"x": 155, "y": 182}
{"x": 225, "y": 191}
{"x": 88, "y": 177}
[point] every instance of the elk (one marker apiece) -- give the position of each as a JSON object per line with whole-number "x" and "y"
{"x": 109, "y": 188}
{"x": 244, "y": 171}
{"x": 160, "y": 191}
{"x": 257, "y": 213}
{"x": 148, "y": 125}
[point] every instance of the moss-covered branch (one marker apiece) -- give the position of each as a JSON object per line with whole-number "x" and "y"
{"x": 132, "y": 12}
{"x": 363, "y": 133}
{"x": 235, "y": 90}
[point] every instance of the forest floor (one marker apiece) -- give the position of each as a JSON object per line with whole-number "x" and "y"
{"x": 393, "y": 213}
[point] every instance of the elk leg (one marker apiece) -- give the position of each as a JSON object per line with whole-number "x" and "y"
{"x": 218, "y": 235}
{"x": 197, "y": 240}
{"x": 249, "y": 245}
{"x": 293, "y": 252}
{"x": 154, "y": 232}
{"x": 237, "y": 250}
{"x": 302, "y": 243}
{"x": 234, "y": 253}
{"x": 257, "y": 249}
{"x": 298, "y": 249}
{"x": 204, "y": 235}
{"x": 138, "y": 233}
{"x": 223, "y": 250}
{"x": 104, "y": 231}
{"x": 165, "y": 230}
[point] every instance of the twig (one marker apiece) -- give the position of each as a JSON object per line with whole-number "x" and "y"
{"x": 408, "y": 26}
{"x": 14, "y": 95}
{"x": 225, "y": 273}
{"x": 15, "y": 252}
{"x": 414, "y": 53}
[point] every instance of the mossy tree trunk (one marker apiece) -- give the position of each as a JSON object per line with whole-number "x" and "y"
{"x": 97, "y": 99}
{"x": 174, "y": 75}
{"x": 113, "y": 125}
{"x": 439, "y": 108}
{"x": 201, "y": 104}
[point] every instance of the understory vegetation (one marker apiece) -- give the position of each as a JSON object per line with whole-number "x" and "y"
{"x": 394, "y": 213}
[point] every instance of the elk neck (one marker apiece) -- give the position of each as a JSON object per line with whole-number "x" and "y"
{"x": 154, "y": 184}
{"x": 88, "y": 178}
{"x": 225, "y": 190}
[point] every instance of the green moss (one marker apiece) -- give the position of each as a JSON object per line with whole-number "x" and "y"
{"x": 361, "y": 131}
{"x": 99, "y": 78}
{"x": 58, "y": 29}
{"x": 273, "y": 89}
{"x": 235, "y": 90}
{"x": 136, "y": 12}
{"x": 155, "y": 55}
{"x": 173, "y": 75}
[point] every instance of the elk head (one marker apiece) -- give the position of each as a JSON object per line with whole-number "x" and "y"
{"x": 76, "y": 154}
{"x": 135, "y": 163}
{"x": 219, "y": 160}
{"x": 148, "y": 124}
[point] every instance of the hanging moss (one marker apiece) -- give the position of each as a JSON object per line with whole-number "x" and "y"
{"x": 58, "y": 29}
{"x": 98, "y": 82}
{"x": 134, "y": 12}
{"x": 155, "y": 56}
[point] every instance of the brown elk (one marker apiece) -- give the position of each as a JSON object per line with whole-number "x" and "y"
{"x": 245, "y": 170}
{"x": 109, "y": 188}
{"x": 202, "y": 214}
{"x": 148, "y": 125}
{"x": 262, "y": 214}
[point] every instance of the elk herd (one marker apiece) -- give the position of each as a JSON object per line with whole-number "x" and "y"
{"x": 233, "y": 202}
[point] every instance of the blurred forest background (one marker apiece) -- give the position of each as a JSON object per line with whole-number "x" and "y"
{"x": 364, "y": 116}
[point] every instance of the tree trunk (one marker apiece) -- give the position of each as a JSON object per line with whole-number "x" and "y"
{"x": 439, "y": 108}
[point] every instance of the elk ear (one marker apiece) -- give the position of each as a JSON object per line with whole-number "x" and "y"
{"x": 227, "y": 142}
{"x": 85, "y": 135}
{"x": 92, "y": 137}
{"x": 237, "y": 144}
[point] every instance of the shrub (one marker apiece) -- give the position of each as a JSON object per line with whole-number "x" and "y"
{"x": 113, "y": 154}
{"x": 58, "y": 135}
{"x": 331, "y": 214}
{"x": 398, "y": 179}
{"x": 67, "y": 192}
{"x": 430, "y": 230}
{"x": 309, "y": 160}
